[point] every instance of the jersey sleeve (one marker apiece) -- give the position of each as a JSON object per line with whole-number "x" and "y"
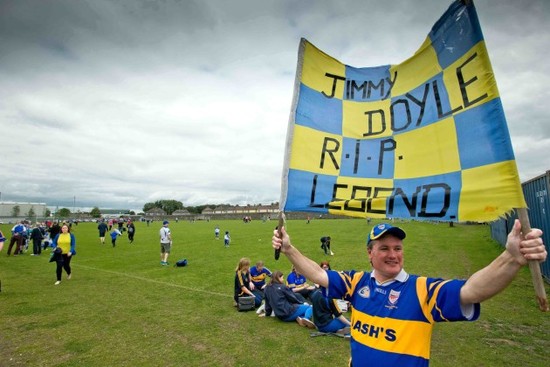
{"x": 443, "y": 300}
{"x": 341, "y": 284}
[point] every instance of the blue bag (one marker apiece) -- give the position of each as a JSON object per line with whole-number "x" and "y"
{"x": 181, "y": 263}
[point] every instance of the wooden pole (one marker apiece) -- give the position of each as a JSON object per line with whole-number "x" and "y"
{"x": 534, "y": 266}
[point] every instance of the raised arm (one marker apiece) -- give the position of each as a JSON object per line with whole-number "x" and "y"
{"x": 309, "y": 268}
{"x": 496, "y": 276}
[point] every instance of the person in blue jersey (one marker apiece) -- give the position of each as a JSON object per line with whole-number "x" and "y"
{"x": 281, "y": 301}
{"x": 2, "y": 240}
{"x": 243, "y": 282}
{"x": 258, "y": 274}
{"x": 114, "y": 235}
{"x": 297, "y": 282}
{"x": 393, "y": 312}
{"x": 17, "y": 238}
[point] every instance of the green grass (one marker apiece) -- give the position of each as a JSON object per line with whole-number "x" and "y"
{"x": 123, "y": 309}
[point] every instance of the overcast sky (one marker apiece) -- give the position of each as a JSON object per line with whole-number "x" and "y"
{"x": 115, "y": 103}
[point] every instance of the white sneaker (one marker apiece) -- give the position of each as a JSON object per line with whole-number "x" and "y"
{"x": 57, "y": 283}
{"x": 331, "y": 253}
{"x": 261, "y": 309}
{"x": 69, "y": 276}
{"x": 306, "y": 323}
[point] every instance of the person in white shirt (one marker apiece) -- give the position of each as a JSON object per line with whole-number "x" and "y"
{"x": 165, "y": 243}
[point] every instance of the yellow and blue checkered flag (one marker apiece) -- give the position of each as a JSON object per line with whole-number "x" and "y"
{"x": 426, "y": 139}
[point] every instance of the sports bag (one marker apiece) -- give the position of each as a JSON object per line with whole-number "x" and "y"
{"x": 181, "y": 263}
{"x": 246, "y": 303}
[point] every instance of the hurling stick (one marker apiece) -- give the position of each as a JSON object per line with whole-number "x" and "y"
{"x": 281, "y": 224}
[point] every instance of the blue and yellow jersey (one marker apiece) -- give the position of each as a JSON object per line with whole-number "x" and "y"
{"x": 66, "y": 241}
{"x": 391, "y": 323}
{"x": 293, "y": 280}
{"x": 258, "y": 277}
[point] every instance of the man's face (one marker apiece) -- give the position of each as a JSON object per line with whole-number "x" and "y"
{"x": 386, "y": 257}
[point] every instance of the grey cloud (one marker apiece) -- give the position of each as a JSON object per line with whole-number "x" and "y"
{"x": 121, "y": 93}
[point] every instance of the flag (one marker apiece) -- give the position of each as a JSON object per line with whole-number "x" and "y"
{"x": 426, "y": 139}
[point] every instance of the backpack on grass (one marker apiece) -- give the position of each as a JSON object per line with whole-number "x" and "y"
{"x": 181, "y": 263}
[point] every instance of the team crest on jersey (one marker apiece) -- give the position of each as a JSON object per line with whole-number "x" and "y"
{"x": 393, "y": 297}
{"x": 364, "y": 292}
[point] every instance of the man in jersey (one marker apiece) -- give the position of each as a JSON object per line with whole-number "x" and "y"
{"x": 393, "y": 312}
{"x": 258, "y": 273}
{"x": 165, "y": 243}
{"x": 297, "y": 282}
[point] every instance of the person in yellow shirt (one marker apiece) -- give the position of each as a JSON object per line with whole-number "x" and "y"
{"x": 64, "y": 243}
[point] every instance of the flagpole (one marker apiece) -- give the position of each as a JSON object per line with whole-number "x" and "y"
{"x": 534, "y": 266}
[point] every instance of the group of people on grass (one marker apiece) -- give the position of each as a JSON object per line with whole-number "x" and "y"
{"x": 290, "y": 300}
{"x": 116, "y": 231}
{"x": 44, "y": 235}
{"x": 226, "y": 236}
{"x": 24, "y": 232}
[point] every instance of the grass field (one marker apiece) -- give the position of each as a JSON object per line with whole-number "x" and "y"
{"x": 122, "y": 308}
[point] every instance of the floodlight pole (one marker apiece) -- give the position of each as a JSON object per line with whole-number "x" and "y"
{"x": 534, "y": 266}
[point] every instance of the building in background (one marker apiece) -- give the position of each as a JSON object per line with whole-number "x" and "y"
{"x": 10, "y": 209}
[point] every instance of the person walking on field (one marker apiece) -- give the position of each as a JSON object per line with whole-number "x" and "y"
{"x": 325, "y": 245}
{"x": 64, "y": 244}
{"x": 226, "y": 239}
{"x": 165, "y": 243}
{"x": 102, "y": 228}
{"x": 36, "y": 236}
{"x": 114, "y": 235}
{"x": 131, "y": 231}
{"x": 393, "y": 312}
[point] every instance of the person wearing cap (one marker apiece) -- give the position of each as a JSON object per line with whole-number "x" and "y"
{"x": 165, "y": 243}
{"x": 393, "y": 312}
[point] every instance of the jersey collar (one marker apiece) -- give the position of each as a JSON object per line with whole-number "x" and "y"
{"x": 401, "y": 277}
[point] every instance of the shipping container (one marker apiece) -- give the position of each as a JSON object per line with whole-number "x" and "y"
{"x": 538, "y": 204}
